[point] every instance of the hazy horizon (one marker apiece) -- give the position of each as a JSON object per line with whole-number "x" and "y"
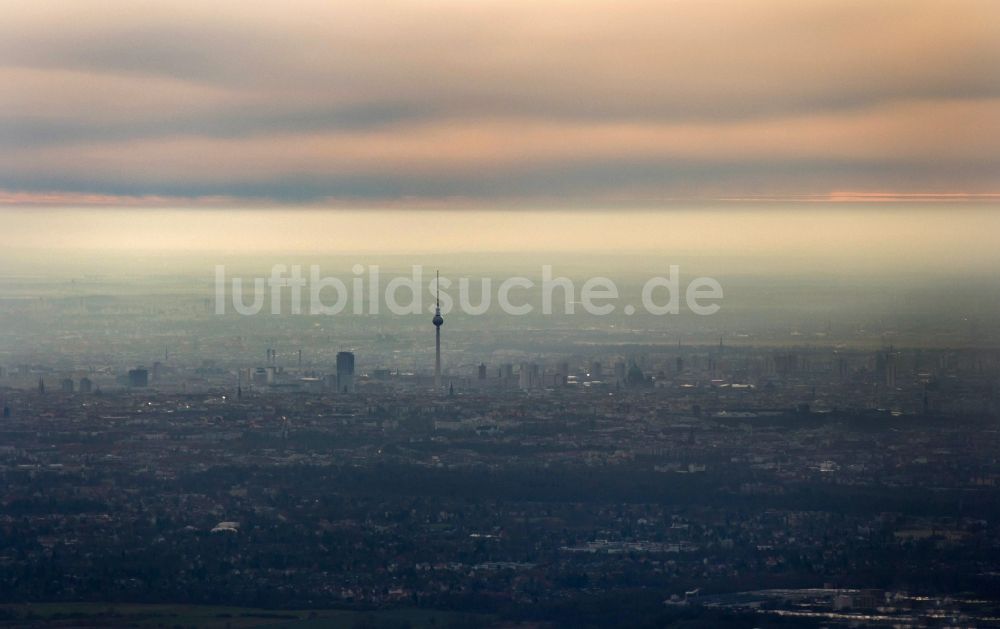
{"x": 779, "y": 240}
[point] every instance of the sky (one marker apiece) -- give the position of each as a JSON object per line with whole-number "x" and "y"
{"x": 479, "y": 103}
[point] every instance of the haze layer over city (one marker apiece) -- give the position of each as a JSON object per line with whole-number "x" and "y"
{"x": 500, "y": 314}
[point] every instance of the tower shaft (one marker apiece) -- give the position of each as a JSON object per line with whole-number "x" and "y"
{"x": 437, "y": 358}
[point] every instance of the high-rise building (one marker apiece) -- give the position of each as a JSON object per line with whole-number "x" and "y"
{"x": 890, "y": 370}
{"x": 634, "y": 378}
{"x": 86, "y": 386}
{"x": 138, "y": 378}
{"x": 67, "y": 385}
{"x": 843, "y": 369}
{"x": 482, "y": 371}
{"x": 345, "y": 372}
{"x": 507, "y": 375}
{"x": 438, "y": 320}
{"x": 562, "y": 373}
{"x": 620, "y": 372}
{"x": 260, "y": 376}
{"x": 596, "y": 372}
{"x": 786, "y": 364}
{"x": 530, "y": 376}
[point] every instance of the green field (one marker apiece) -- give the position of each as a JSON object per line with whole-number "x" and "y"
{"x": 178, "y": 616}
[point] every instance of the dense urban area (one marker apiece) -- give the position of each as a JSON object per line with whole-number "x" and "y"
{"x": 736, "y": 480}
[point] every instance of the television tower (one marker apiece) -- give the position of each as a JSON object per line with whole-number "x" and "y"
{"x": 437, "y": 321}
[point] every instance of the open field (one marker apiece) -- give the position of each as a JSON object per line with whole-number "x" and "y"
{"x": 176, "y": 616}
